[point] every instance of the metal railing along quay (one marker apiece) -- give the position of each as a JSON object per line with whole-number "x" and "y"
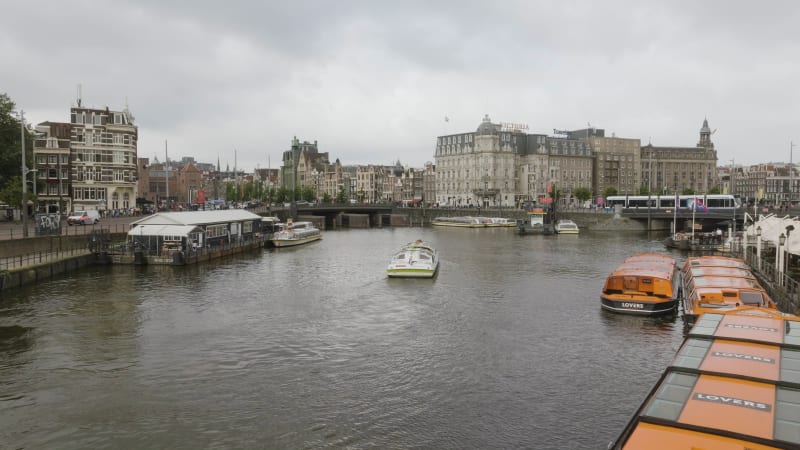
{"x": 781, "y": 283}
{"x": 12, "y": 230}
{"x": 37, "y": 258}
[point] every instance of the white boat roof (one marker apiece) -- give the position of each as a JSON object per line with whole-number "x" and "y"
{"x": 197, "y": 217}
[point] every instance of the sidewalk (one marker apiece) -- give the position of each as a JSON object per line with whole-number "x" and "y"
{"x": 13, "y": 230}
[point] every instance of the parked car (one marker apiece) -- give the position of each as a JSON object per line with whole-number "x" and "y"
{"x": 87, "y": 217}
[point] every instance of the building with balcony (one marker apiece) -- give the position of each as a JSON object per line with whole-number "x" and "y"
{"x": 501, "y": 165}
{"x": 103, "y": 165}
{"x": 51, "y": 149}
{"x": 88, "y": 163}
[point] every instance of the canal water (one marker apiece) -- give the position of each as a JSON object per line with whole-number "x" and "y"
{"x": 314, "y": 347}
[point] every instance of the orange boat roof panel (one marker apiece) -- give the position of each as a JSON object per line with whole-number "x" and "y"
{"x": 649, "y": 436}
{"x": 743, "y": 358}
{"x": 751, "y": 328}
{"x": 749, "y": 410}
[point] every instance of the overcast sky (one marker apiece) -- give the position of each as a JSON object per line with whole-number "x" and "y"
{"x": 372, "y": 81}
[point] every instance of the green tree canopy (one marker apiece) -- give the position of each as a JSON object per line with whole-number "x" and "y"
{"x": 341, "y": 196}
{"x": 611, "y": 190}
{"x": 10, "y": 135}
{"x": 583, "y": 194}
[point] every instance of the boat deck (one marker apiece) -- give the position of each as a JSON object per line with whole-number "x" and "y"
{"x": 734, "y": 383}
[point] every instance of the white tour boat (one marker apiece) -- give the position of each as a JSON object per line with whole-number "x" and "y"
{"x": 566, "y": 226}
{"x": 416, "y": 260}
{"x": 296, "y": 233}
{"x": 460, "y": 221}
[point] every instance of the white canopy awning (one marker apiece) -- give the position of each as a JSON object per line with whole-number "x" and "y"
{"x": 772, "y": 227}
{"x": 163, "y": 230}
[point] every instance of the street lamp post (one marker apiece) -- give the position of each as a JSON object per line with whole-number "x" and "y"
{"x": 758, "y": 247}
{"x": 24, "y": 167}
{"x": 779, "y": 259}
{"x": 787, "y": 255}
{"x": 791, "y": 173}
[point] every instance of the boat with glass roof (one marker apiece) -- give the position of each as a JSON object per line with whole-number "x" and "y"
{"x": 296, "y": 233}
{"x": 719, "y": 284}
{"x": 644, "y": 284}
{"x": 459, "y": 221}
{"x": 417, "y": 259}
{"x": 733, "y": 384}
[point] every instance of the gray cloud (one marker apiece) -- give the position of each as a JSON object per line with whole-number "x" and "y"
{"x": 372, "y": 82}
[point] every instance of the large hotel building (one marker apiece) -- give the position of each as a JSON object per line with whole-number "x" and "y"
{"x": 500, "y": 165}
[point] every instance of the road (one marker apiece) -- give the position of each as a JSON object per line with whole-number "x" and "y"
{"x": 13, "y": 230}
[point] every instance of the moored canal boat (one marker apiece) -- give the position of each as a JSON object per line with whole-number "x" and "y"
{"x": 566, "y": 226}
{"x": 644, "y": 284}
{"x": 459, "y": 221}
{"x": 501, "y": 222}
{"x": 417, "y": 259}
{"x": 296, "y": 233}
{"x": 719, "y": 284}
{"x": 733, "y": 384}
{"x": 538, "y": 222}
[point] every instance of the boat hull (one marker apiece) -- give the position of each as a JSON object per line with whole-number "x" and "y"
{"x": 639, "y": 307}
{"x": 567, "y": 232}
{"x": 458, "y": 225}
{"x": 528, "y": 229}
{"x": 279, "y": 243}
{"x": 411, "y": 273}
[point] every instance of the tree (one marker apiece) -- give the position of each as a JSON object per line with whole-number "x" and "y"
{"x": 688, "y": 191}
{"x": 643, "y": 190}
{"x": 11, "y": 194}
{"x": 10, "y": 162}
{"x": 715, "y": 190}
{"x": 583, "y": 194}
{"x": 309, "y": 193}
{"x": 341, "y": 196}
{"x": 611, "y": 190}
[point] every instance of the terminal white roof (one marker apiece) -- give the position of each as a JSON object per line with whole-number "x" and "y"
{"x": 197, "y": 217}
{"x": 772, "y": 227}
{"x": 163, "y": 230}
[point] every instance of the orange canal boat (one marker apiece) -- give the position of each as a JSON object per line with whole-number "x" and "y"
{"x": 734, "y": 384}
{"x": 644, "y": 284}
{"x": 719, "y": 284}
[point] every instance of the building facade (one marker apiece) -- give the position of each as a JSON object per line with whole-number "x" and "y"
{"x": 501, "y": 166}
{"x": 88, "y": 163}
{"x": 668, "y": 170}
{"x": 51, "y": 149}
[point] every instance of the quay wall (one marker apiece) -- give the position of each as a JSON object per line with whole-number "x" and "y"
{"x": 19, "y": 277}
{"x": 47, "y": 244}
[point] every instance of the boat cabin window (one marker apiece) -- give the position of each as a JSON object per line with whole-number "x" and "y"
{"x": 752, "y": 298}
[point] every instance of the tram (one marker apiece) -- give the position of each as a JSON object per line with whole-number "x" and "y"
{"x": 700, "y": 202}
